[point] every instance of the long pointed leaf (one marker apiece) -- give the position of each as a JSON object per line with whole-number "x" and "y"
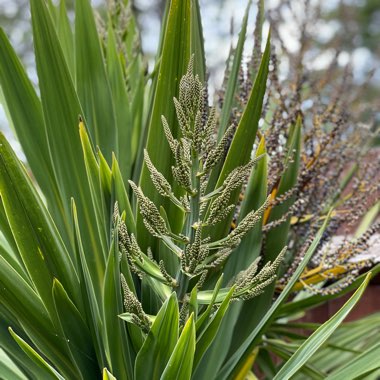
{"x": 209, "y": 333}
{"x": 160, "y": 342}
{"x": 237, "y": 360}
{"x": 311, "y": 345}
{"x": 124, "y": 120}
{"x": 253, "y": 310}
{"x": 242, "y": 143}
{"x": 180, "y": 364}
{"x": 27, "y": 118}
{"x": 22, "y": 301}
{"x": 8, "y": 369}
{"x": 119, "y": 347}
{"x": 121, "y": 195}
{"x": 233, "y": 76}
{"x": 76, "y": 333}
{"x": 91, "y": 80}
{"x": 65, "y": 35}
{"x": 91, "y": 305}
{"x": 50, "y": 372}
{"x": 176, "y": 51}
{"x": 362, "y": 364}
{"x": 93, "y": 176}
{"x": 61, "y": 109}
{"x": 36, "y": 236}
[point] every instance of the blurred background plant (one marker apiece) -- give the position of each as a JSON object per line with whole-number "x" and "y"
{"x": 257, "y": 187}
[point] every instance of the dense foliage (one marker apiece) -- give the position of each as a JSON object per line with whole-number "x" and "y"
{"x": 166, "y": 238}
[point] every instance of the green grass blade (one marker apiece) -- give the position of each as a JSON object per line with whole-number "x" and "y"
{"x": 254, "y": 196}
{"x": 59, "y": 101}
{"x": 106, "y": 181}
{"x": 53, "y": 10}
{"x": 253, "y": 310}
{"x": 37, "y": 238}
{"x": 240, "y": 259}
{"x": 25, "y": 110}
{"x": 61, "y": 109}
{"x": 135, "y": 75}
{"x": 124, "y": 120}
{"x": 347, "y": 342}
{"x": 93, "y": 176}
{"x": 119, "y": 349}
{"x": 121, "y": 195}
{"x": 193, "y": 304}
{"x": 197, "y": 46}
{"x": 306, "y": 370}
{"x": 50, "y": 372}
{"x": 200, "y": 323}
{"x": 107, "y": 375}
{"x": 66, "y": 37}
{"x": 318, "y": 338}
{"x": 232, "y": 83}
{"x": 176, "y": 51}
{"x": 141, "y": 111}
{"x": 12, "y": 256}
{"x": 21, "y": 301}
{"x": 209, "y": 333}
{"x": 277, "y": 237}
{"x": 76, "y": 333}
{"x": 258, "y": 36}
{"x": 8, "y": 369}
{"x": 242, "y": 143}
{"x": 26, "y": 113}
{"x": 237, "y": 360}
{"x": 362, "y": 364}
{"x": 91, "y": 81}
{"x": 91, "y": 307}
{"x": 244, "y": 138}
{"x": 8, "y": 235}
{"x": 159, "y": 344}
{"x": 11, "y": 349}
{"x": 180, "y": 364}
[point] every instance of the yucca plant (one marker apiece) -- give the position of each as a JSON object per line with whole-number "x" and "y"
{"x": 156, "y": 237}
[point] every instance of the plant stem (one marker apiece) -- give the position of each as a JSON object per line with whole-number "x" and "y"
{"x": 192, "y": 219}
